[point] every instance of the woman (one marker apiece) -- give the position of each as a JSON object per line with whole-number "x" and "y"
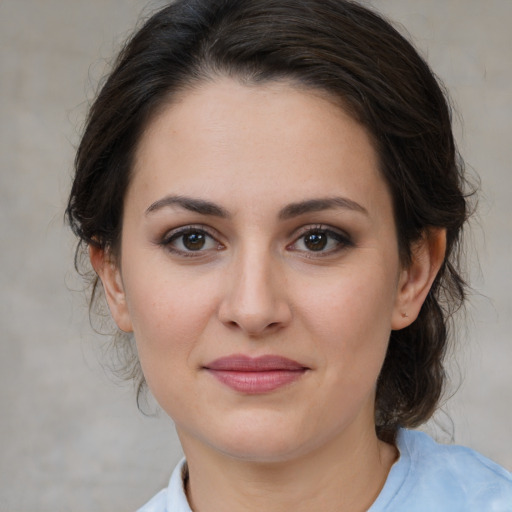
{"x": 271, "y": 196}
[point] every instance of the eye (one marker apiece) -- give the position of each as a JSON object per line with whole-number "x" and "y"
{"x": 321, "y": 240}
{"x": 189, "y": 240}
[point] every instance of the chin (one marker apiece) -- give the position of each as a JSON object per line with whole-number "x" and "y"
{"x": 261, "y": 441}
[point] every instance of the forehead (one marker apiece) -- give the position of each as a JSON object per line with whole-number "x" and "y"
{"x": 225, "y": 139}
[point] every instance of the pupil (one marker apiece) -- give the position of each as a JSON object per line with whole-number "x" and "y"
{"x": 194, "y": 241}
{"x": 316, "y": 241}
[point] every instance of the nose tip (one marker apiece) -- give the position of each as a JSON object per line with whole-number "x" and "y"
{"x": 255, "y": 302}
{"x": 255, "y": 323}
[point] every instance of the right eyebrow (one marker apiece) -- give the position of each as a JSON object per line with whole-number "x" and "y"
{"x": 189, "y": 203}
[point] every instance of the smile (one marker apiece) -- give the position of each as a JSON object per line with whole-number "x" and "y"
{"x": 255, "y": 375}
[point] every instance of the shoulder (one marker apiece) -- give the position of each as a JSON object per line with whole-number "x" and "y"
{"x": 448, "y": 477}
{"x": 458, "y": 461}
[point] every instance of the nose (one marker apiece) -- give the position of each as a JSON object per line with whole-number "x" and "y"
{"x": 255, "y": 298}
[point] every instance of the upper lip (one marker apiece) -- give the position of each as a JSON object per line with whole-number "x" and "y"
{"x": 243, "y": 363}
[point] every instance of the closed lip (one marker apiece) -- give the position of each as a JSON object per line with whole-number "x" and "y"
{"x": 243, "y": 363}
{"x": 255, "y": 375}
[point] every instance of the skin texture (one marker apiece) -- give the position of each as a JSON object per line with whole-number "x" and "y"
{"x": 257, "y": 288}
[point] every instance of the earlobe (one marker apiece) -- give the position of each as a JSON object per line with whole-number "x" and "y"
{"x": 109, "y": 273}
{"x": 416, "y": 280}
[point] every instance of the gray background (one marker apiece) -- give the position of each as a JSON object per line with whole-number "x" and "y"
{"x": 70, "y": 437}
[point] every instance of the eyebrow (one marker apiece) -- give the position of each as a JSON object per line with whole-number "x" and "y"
{"x": 317, "y": 205}
{"x": 189, "y": 203}
{"x": 204, "y": 207}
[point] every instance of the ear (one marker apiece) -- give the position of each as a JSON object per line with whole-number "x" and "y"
{"x": 109, "y": 273}
{"x": 415, "y": 280}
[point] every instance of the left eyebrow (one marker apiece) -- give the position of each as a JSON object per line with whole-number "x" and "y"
{"x": 317, "y": 205}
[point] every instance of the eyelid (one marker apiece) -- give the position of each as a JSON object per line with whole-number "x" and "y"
{"x": 174, "y": 234}
{"x": 343, "y": 238}
{"x": 185, "y": 228}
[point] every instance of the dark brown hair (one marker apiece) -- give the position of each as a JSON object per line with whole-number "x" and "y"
{"x": 336, "y": 46}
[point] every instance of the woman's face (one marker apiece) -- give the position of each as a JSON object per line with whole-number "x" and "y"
{"x": 259, "y": 269}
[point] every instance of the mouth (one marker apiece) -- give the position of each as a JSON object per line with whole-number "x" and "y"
{"x": 255, "y": 375}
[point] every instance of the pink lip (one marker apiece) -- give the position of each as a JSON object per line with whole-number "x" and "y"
{"x": 255, "y": 375}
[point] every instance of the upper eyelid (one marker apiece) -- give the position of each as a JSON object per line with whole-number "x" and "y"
{"x": 320, "y": 227}
{"x": 297, "y": 233}
{"x": 343, "y": 239}
{"x": 188, "y": 228}
{"x": 168, "y": 240}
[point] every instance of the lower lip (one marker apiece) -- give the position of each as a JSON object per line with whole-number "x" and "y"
{"x": 254, "y": 383}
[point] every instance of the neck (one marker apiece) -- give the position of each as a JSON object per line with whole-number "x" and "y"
{"x": 344, "y": 475}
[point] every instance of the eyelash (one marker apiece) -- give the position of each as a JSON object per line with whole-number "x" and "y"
{"x": 176, "y": 234}
{"x": 341, "y": 240}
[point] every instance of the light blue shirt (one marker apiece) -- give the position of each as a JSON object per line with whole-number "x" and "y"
{"x": 427, "y": 477}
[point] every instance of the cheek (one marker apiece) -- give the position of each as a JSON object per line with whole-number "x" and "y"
{"x": 168, "y": 316}
{"x": 351, "y": 318}
{"x": 354, "y": 301}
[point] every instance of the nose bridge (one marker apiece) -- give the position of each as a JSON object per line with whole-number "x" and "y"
{"x": 255, "y": 299}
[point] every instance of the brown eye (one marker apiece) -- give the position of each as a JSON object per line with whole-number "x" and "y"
{"x": 194, "y": 241}
{"x": 316, "y": 241}
{"x": 320, "y": 240}
{"x": 188, "y": 240}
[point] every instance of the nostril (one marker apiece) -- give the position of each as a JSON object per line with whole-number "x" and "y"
{"x": 253, "y": 308}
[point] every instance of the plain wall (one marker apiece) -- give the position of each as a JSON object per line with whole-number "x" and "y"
{"x": 71, "y": 438}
